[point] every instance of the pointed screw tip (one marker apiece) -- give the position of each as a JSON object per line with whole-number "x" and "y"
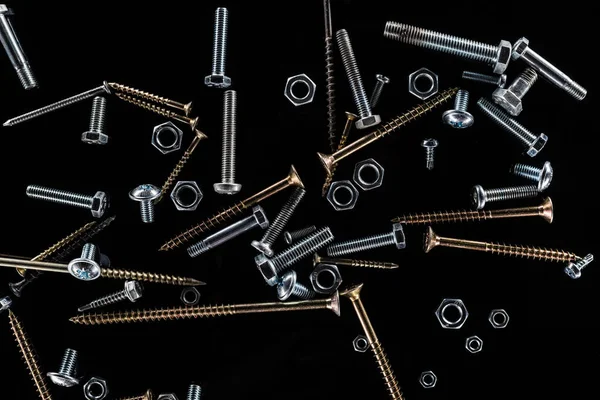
{"x": 7, "y": 123}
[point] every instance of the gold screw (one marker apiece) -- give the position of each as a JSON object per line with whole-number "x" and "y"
{"x": 432, "y": 240}
{"x": 350, "y": 118}
{"x": 317, "y": 259}
{"x": 192, "y": 122}
{"x": 292, "y": 179}
{"x": 30, "y": 356}
{"x": 173, "y": 313}
{"x": 186, "y": 108}
{"x": 391, "y": 383}
{"x": 146, "y": 396}
{"x": 544, "y": 210}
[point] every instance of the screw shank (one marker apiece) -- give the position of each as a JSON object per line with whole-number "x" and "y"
{"x": 462, "y": 244}
{"x": 364, "y": 321}
{"x": 36, "y": 265}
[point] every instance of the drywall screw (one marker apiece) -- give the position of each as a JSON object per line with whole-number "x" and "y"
{"x": 367, "y": 119}
{"x": 14, "y": 51}
{"x": 133, "y": 291}
{"x": 290, "y": 236}
{"x": 270, "y": 268}
{"x": 103, "y": 89}
{"x": 543, "y": 176}
{"x": 329, "y": 160}
{"x": 186, "y": 108}
{"x": 95, "y": 134}
{"x": 350, "y": 118}
{"x": 544, "y": 210}
{"x": 347, "y": 262}
{"x": 217, "y": 78}
{"x": 511, "y": 99}
{"x": 381, "y": 82}
{"x": 496, "y": 56}
{"x": 480, "y": 196}
{"x": 286, "y": 212}
{"x": 574, "y": 268}
{"x": 218, "y": 310}
{"x": 521, "y": 50}
{"x": 97, "y": 203}
{"x": 227, "y": 184}
{"x": 534, "y": 144}
{"x": 384, "y": 365}
{"x": 289, "y": 286}
{"x": 194, "y": 392}
{"x": 395, "y": 237}
{"x": 30, "y": 356}
{"x": 192, "y": 122}
{"x": 257, "y": 219}
{"x": 67, "y": 373}
{"x": 458, "y": 117}
{"x": 499, "y": 80}
{"x": 149, "y": 395}
{"x": 146, "y": 195}
{"x": 433, "y": 240}
{"x": 292, "y": 179}
{"x": 330, "y": 75}
{"x": 429, "y": 145}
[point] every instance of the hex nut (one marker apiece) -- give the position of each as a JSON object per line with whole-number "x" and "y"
{"x": 428, "y": 379}
{"x": 176, "y": 195}
{"x": 329, "y": 269}
{"x": 456, "y": 304}
{"x": 360, "y": 343}
{"x": 299, "y": 79}
{"x": 344, "y": 186}
{"x": 167, "y": 148}
{"x": 95, "y": 389}
{"x": 474, "y": 344}
{"x": 422, "y": 73}
{"x": 167, "y": 396}
{"x": 190, "y": 291}
{"x": 499, "y": 318}
{"x": 368, "y": 164}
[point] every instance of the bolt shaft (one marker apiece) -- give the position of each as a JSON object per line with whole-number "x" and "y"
{"x": 90, "y": 252}
{"x": 98, "y": 115}
{"x": 303, "y": 248}
{"x": 113, "y": 298}
{"x": 506, "y": 122}
{"x": 360, "y": 244}
{"x": 302, "y": 292}
{"x": 194, "y": 392}
{"x": 510, "y": 193}
{"x": 147, "y": 211}
{"x": 15, "y": 53}
{"x": 290, "y": 237}
{"x": 347, "y": 262}
{"x": 68, "y": 366}
{"x": 527, "y": 171}
{"x": 59, "y": 196}
{"x": 477, "y": 77}
{"x": 220, "y": 41}
{"x": 376, "y": 95}
{"x": 330, "y": 75}
{"x": 429, "y": 157}
{"x": 229, "y": 135}
{"x": 523, "y": 82}
{"x": 461, "y": 101}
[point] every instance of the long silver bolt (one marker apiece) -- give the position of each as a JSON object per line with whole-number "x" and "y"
{"x": 543, "y": 176}
{"x": 87, "y": 267}
{"x": 534, "y": 143}
{"x": 498, "y": 80}
{"x": 104, "y": 89}
{"x": 574, "y": 268}
{"x": 381, "y": 82}
{"x": 146, "y": 195}
{"x": 67, "y": 373}
{"x": 458, "y": 117}
{"x": 511, "y": 99}
{"x": 194, "y": 392}
{"x": 496, "y": 56}
{"x": 217, "y": 77}
{"x": 14, "y": 51}
{"x": 393, "y": 238}
{"x": 258, "y": 218}
{"x": 133, "y": 291}
{"x": 367, "y": 119}
{"x": 286, "y": 212}
{"x": 429, "y": 145}
{"x": 480, "y": 196}
{"x": 290, "y": 236}
{"x": 271, "y": 267}
{"x": 96, "y": 135}
{"x": 97, "y": 203}
{"x": 227, "y": 184}
{"x": 289, "y": 286}
{"x": 521, "y": 50}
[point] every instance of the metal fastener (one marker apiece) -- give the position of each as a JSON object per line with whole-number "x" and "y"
{"x": 428, "y": 379}
{"x": 227, "y": 184}
{"x": 376, "y": 95}
{"x": 87, "y": 267}
{"x": 543, "y": 176}
{"x": 330, "y": 286}
{"x": 97, "y": 203}
{"x": 350, "y": 118}
{"x": 185, "y": 107}
{"x": 194, "y": 392}
{"x": 289, "y": 286}
{"x": 498, "y": 80}
{"x": 429, "y": 145}
{"x": 330, "y": 75}
{"x": 511, "y": 99}
{"x": 67, "y": 373}
{"x": 348, "y": 262}
{"x": 5, "y": 303}
{"x": 454, "y": 319}
{"x": 95, "y": 389}
{"x": 133, "y": 291}
{"x": 217, "y": 77}
{"x": 498, "y": 318}
{"x": 95, "y": 134}
{"x": 149, "y": 395}
{"x": 395, "y": 238}
{"x": 480, "y": 196}
{"x": 360, "y": 343}
{"x": 574, "y": 268}
{"x": 153, "y": 108}
{"x": 290, "y": 236}
{"x": 174, "y": 137}
{"x": 146, "y": 194}
{"x": 458, "y": 117}
{"x": 14, "y": 51}
{"x": 474, "y": 344}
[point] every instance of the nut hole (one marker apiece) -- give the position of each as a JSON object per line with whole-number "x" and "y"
{"x": 423, "y": 83}
{"x": 96, "y": 390}
{"x": 299, "y": 89}
{"x": 362, "y": 343}
{"x": 452, "y": 314}
{"x": 368, "y": 174}
{"x": 428, "y": 379}
{"x": 343, "y": 195}
{"x": 186, "y": 196}
{"x": 325, "y": 279}
{"x": 499, "y": 319}
{"x": 474, "y": 344}
{"x": 166, "y": 137}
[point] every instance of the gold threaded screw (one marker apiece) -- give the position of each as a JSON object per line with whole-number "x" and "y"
{"x": 186, "y": 108}
{"x": 347, "y": 262}
{"x": 146, "y": 396}
{"x": 350, "y": 118}
{"x": 192, "y": 122}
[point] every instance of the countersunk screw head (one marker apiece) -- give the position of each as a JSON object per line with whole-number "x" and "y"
{"x": 458, "y": 119}
{"x": 133, "y": 290}
{"x": 478, "y": 196}
{"x": 267, "y": 269}
{"x": 218, "y": 81}
{"x": 99, "y": 204}
{"x": 285, "y": 286}
{"x": 62, "y": 379}
{"x": 399, "y": 238}
{"x": 145, "y": 192}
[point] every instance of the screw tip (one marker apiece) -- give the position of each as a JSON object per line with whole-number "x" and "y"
{"x": 7, "y": 123}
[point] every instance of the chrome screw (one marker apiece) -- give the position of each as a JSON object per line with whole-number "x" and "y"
{"x": 574, "y": 268}
{"x": 96, "y": 135}
{"x": 543, "y": 176}
{"x": 395, "y": 237}
{"x": 290, "y": 236}
{"x": 217, "y": 77}
{"x": 458, "y": 117}
{"x": 289, "y": 286}
{"x": 510, "y": 99}
{"x": 97, "y": 203}
{"x": 194, "y": 392}
{"x": 146, "y": 195}
{"x": 133, "y": 291}
{"x": 67, "y": 374}
{"x": 480, "y": 196}
{"x": 499, "y": 80}
{"x": 228, "y": 185}
{"x": 14, "y": 51}
{"x": 88, "y": 266}
{"x": 429, "y": 145}
{"x": 381, "y": 82}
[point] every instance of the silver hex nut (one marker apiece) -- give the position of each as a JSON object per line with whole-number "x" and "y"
{"x": 474, "y": 344}
{"x": 327, "y": 269}
{"x": 366, "y": 165}
{"x": 428, "y": 379}
{"x": 301, "y": 79}
{"x": 336, "y": 189}
{"x": 423, "y": 73}
{"x": 360, "y": 343}
{"x": 449, "y": 322}
{"x": 182, "y": 186}
{"x": 161, "y": 143}
{"x": 499, "y": 318}
{"x": 95, "y": 389}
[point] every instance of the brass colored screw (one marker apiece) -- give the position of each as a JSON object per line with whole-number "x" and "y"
{"x": 329, "y": 160}
{"x": 146, "y": 396}
{"x": 186, "y": 108}
{"x": 432, "y": 240}
{"x": 391, "y": 383}
{"x": 292, "y": 179}
{"x": 350, "y": 118}
{"x": 347, "y": 262}
{"x": 544, "y": 210}
{"x": 192, "y": 122}
{"x": 173, "y": 313}
{"x": 30, "y": 357}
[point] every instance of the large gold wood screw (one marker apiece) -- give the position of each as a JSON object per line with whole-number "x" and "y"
{"x": 350, "y": 118}
{"x": 186, "y": 108}
{"x": 192, "y": 122}
{"x": 347, "y": 262}
{"x": 146, "y": 396}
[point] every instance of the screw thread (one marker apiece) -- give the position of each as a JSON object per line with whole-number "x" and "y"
{"x": 461, "y": 101}
{"x": 98, "y": 115}
{"x": 194, "y": 392}
{"x": 283, "y": 217}
{"x": 150, "y": 96}
{"x": 302, "y": 292}
{"x": 385, "y": 367}
{"x": 330, "y": 90}
{"x": 176, "y": 171}
{"x": 575, "y": 90}
{"x": 59, "y": 196}
{"x": 146, "y": 396}
{"x": 90, "y": 252}
{"x": 526, "y": 171}
{"x": 372, "y": 264}
{"x": 147, "y": 211}
{"x": 429, "y": 157}
{"x": 26, "y": 77}
{"x": 483, "y": 78}
{"x": 229, "y": 134}
{"x": 116, "y": 297}
{"x": 361, "y": 244}
{"x": 535, "y": 253}
{"x": 376, "y": 93}
{"x": 506, "y": 122}
{"x": 220, "y": 40}
{"x": 198, "y": 248}
{"x": 290, "y": 237}
{"x": 305, "y": 247}
{"x": 443, "y": 216}
{"x": 154, "y": 108}
{"x": 147, "y": 277}
{"x": 511, "y": 193}
{"x": 68, "y": 366}
{"x": 354, "y": 78}
{"x": 581, "y": 263}
{"x": 529, "y": 75}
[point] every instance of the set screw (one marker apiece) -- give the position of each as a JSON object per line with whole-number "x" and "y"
{"x": 97, "y": 203}
{"x": 393, "y": 238}
{"x": 67, "y": 374}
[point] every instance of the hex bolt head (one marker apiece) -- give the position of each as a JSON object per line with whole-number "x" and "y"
{"x": 99, "y": 204}
{"x": 133, "y": 290}
{"x": 5, "y": 303}
{"x": 267, "y": 269}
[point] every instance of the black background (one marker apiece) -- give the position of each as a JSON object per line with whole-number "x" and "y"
{"x": 166, "y": 49}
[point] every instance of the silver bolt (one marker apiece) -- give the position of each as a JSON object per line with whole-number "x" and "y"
{"x": 543, "y": 176}
{"x": 395, "y": 238}
{"x": 480, "y": 196}
{"x": 258, "y": 218}
{"x": 458, "y": 117}
{"x": 146, "y": 194}
{"x": 87, "y": 267}
{"x": 429, "y": 145}
{"x": 367, "y": 119}
{"x": 499, "y": 80}
{"x": 289, "y": 285}
{"x": 496, "y": 56}
{"x": 97, "y": 203}
{"x": 264, "y": 245}
{"x": 534, "y": 144}
{"x": 573, "y": 269}
{"x": 104, "y": 89}
{"x": 521, "y": 50}
{"x": 217, "y": 77}
{"x": 96, "y": 135}
{"x": 194, "y": 392}
{"x": 381, "y": 82}
{"x": 14, "y": 51}
{"x": 227, "y": 184}
{"x": 133, "y": 291}
{"x": 290, "y": 236}
{"x": 510, "y": 99}
{"x": 67, "y": 374}
{"x": 5, "y": 303}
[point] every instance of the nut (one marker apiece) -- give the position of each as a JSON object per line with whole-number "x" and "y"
{"x": 187, "y": 292}
{"x": 428, "y": 379}
{"x": 368, "y": 164}
{"x": 167, "y": 147}
{"x": 360, "y": 343}
{"x": 167, "y": 396}
{"x": 504, "y": 56}
{"x": 95, "y": 389}
{"x": 186, "y": 186}
{"x": 299, "y": 79}
{"x": 455, "y": 323}
{"x": 267, "y": 269}
{"x": 474, "y": 344}
{"x": 498, "y": 318}
{"x": 5, "y": 303}
{"x": 330, "y": 269}
{"x": 423, "y": 73}
{"x": 343, "y": 186}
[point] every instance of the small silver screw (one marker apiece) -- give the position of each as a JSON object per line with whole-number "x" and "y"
{"x": 227, "y": 184}
{"x": 573, "y": 269}
{"x": 133, "y": 291}
{"x": 480, "y": 196}
{"x": 146, "y": 194}
{"x": 14, "y": 51}
{"x": 95, "y": 134}
{"x": 194, "y": 392}
{"x": 429, "y": 145}
{"x": 5, "y": 303}
{"x": 393, "y": 238}
{"x": 217, "y": 77}
{"x": 543, "y": 176}
{"x": 67, "y": 374}
{"x": 87, "y": 267}
{"x": 458, "y": 117}
{"x": 290, "y": 236}
{"x": 511, "y": 99}
{"x": 499, "y": 80}
{"x": 97, "y": 203}
{"x": 289, "y": 286}
{"x": 381, "y": 82}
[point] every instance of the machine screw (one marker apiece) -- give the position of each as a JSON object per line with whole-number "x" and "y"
{"x": 480, "y": 196}
{"x": 534, "y": 144}
{"x": 395, "y": 237}
{"x": 14, "y": 51}
{"x": 97, "y": 203}
{"x": 228, "y": 185}
{"x": 194, "y": 392}
{"x": 458, "y": 117}
{"x": 496, "y": 56}
{"x": 87, "y": 267}
{"x": 217, "y": 77}
{"x": 367, "y": 119}
{"x": 132, "y": 291}
{"x": 499, "y": 80}
{"x": 381, "y": 82}
{"x": 290, "y": 236}
{"x": 289, "y": 285}
{"x": 511, "y": 99}
{"x": 258, "y": 218}
{"x": 146, "y": 194}
{"x": 96, "y": 135}
{"x": 430, "y": 145}
{"x": 67, "y": 374}
{"x": 574, "y": 268}
{"x": 317, "y": 259}
{"x": 543, "y": 176}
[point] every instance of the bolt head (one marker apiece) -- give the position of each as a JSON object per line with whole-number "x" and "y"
{"x": 458, "y": 119}
{"x": 508, "y": 100}
{"x": 267, "y": 269}
{"x": 519, "y": 48}
{"x": 144, "y": 192}
{"x": 84, "y": 269}
{"x": 217, "y": 81}
{"x": 478, "y": 197}
{"x": 62, "y": 380}
{"x": 382, "y": 78}
{"x": 399, "y": 238}
{"x": 504, "y": 56}
{"x": 167, "y": 396}
{"x": 367, "y": 122}
{"x": 227, "y": 188}
{"x": 429, "y": 143}
{"x": 537, "y": 145}
{"x": 94, "y": 137}
{"x": 545, "y": 176}
{"x": 99, "y": 204}
{"x": 263, "y": 248}
{"x": 133, "y": 290}
{"x": 286, "y": 285}
{"x": 5, "y": 303}
{"x": 502, "y": 81}
{"x": 260, "y": 217}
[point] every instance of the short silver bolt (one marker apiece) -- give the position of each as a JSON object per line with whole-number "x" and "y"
{"x": 227, "y": 184}
{"x": 290, "y": 236}
{"x": 393, "y": 238}
{"x": 146, "y": 194}
{"x": 381, "y": 82}
{"x": 97, "y": 203}
{"x": 543, "y": 176}
{"x": 289, "y": 286}
{"x": 498, "y": 80}
{"x": 5, "y": 303}
{"x": 95, "y": 134}
{"x": 194, "y": 392}
{"x": 480, "y": 196}
{"x": 511, "y": 99}
{"x": 14, "y": 51}
{"x": 429, "y": 145}
{"x": 574, "y": 268}
{"x": 133, "y": 291}
{"x": 67, "y": 374}
{"x": 217, "y": 77}
{"x": 458, "y": 117}
{"x": 87, "y": 267}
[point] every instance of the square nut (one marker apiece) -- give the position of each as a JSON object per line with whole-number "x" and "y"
{"x": 160, "y": 141}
